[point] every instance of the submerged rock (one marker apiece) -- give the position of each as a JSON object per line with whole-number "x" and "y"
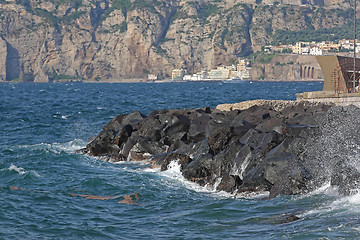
{"x": 289, "y": 218}
{"x": 280, "y": 148}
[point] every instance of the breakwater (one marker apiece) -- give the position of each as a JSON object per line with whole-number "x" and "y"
{"x": 267, "y": 146}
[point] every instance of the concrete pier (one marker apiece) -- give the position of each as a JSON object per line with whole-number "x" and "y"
{"x": 338, "y": 99}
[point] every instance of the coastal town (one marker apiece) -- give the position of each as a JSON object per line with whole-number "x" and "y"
{"x": 240, "y": 70}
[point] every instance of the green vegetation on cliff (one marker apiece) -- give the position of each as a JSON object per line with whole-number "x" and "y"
{"x": 262, "y": 57}
{"x": 307, "y": 35}
{"x": 206, "y": 11}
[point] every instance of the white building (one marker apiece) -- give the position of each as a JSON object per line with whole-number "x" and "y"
{"x": 315, "y": 50}
{"x": 187, "y": 77}
{"x": 152, "y": 77}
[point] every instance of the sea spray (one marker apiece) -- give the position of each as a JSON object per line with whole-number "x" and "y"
{"x": 335, "y": 142}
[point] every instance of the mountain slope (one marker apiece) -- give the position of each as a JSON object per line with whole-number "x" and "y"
{"x": 116, "y": 39}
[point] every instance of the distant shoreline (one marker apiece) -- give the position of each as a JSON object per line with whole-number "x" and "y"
{"x": 137, "y": 80}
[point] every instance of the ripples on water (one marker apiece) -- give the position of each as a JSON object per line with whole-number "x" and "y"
{"x": 42, "y": 180}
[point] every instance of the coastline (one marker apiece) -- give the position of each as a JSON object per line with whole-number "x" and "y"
{"x": 141, "y": 80}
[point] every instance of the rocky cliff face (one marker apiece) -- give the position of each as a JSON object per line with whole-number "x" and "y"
{"x": 267, "y": 20}
{"x": 116, "y": 39}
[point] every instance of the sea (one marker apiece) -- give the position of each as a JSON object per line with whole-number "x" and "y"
{"x": 47, "y": 191}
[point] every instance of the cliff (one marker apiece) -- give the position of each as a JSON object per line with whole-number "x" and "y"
{"x": 116, "y": 39}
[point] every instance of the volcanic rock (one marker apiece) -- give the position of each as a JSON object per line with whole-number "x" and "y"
{"x": 276, "y": 147}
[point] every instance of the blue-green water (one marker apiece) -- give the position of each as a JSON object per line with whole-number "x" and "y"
{"x": 41, "y": 177}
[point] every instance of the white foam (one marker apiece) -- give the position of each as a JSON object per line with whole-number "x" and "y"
{"x": 354, "y": 199}
{"x": 56, "y": 148}
{"x": 340, "y": 204}
{"x": 244, "y": 166}
{"x": 22, "y": 171}
{"x": 33, "y": 172}
{"x": 253, "y": 195}
{"x": 326, "y": 189}
{"x": 70, "y": 146}
{"x": 152, "y": 170}
{"x": 19, "y": 170}
{"x": 174, "y": 172}
{"x": 217, "y": 182}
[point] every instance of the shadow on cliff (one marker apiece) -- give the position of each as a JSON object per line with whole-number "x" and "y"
{"x": 12, "y": 63}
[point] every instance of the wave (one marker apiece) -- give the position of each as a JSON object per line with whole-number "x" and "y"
{"x": 56, "y": 148}
{"x": 331, "y": 202}
{"x": 61, "y": 116}
{"x": 21, "y": 171}
{"x": 174, "y": 173}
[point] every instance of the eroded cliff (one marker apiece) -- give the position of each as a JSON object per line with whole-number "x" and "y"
{"x": 116, "y": 39}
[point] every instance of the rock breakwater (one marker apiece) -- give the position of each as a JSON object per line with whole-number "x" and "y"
{"x": 284, "y": 147}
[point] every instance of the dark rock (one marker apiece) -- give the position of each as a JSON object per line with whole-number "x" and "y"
{"x": 226, "y": 159}
{"x": 289, "y": 218}
{"x": 207, "y": 110}
{"x": 219, "y": 140}
{"x": 254, "y": 180}
{"x": 244, "y": 160}
{"x": 198, "y": 126}
{"x": 294, "y": 110}
{"x": 177, "y": 141}
{"x": 250, "y": 134}
{"x": 229, "y": 183}
{"x": 125, "y": 150}
{"x": 271, "y": 124}
{"x": 133, "y": 118}
{"x": 292, "y": 180}
{"x": 257, "y": 149}
{"x": 346, "y": 178}
{"x": 113, "y": 158}
{"x": 82, "y": 151}
{"x": 123, "y": 134}
{"x": 151, "y": 128}
{"x": 294, "y": 130}
{"x": 255, "y": 114}
{"x": 195, "y": 150}
{"x": 283, "y": 218}
{"x": 165, "y": 119}
{"x": 275, "y": 164}
{"x": 145, "y": 148}
{"x": 103, "y": 144}
{"x": 115, "y": 124}
{"x": 154, "y": 114}
{"x": 282, "y": 147}
{"x": 179, "y": 136}
{"x": 179, "y": 123}
{"x": 262, "y": 142}
{"x": 296, "y": 146}
{"x": 238, "y": 122}
{"x": 200, "y": 170}
{"x": 217, "y": 121}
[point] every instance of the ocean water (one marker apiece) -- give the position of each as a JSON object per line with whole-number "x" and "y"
{"x": 49, "y": 192}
